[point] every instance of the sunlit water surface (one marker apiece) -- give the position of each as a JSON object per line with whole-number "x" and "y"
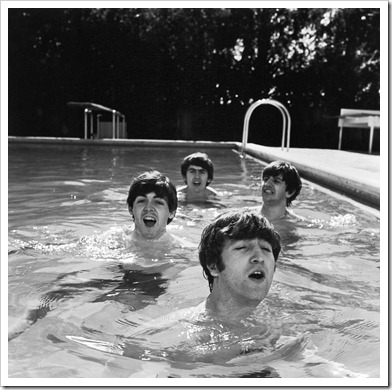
{"x": 81, "y": 298}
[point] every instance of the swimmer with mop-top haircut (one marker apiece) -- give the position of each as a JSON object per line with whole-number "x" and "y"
{"x": 197, "y": 172}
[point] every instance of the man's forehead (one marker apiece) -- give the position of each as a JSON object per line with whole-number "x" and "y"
{"x": 276, "y": 175}
{"x": 196, "y": 168}
{"x": 150, "y": 195}
{"x": 232, "y": 241}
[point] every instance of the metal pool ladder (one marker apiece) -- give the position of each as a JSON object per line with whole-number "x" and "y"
{"x": 286, "y": 121}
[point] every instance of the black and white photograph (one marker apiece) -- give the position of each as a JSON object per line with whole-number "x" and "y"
{"x": 194, "y": 193}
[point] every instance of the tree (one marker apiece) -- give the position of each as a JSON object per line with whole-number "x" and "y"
{"x": 192, "y": 73}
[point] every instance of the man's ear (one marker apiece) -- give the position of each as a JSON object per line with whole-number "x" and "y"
{"x": 131, "y": 211}
{"x": 213, "y": 270}
{"x": 172, "y": 214}
{"x": 184, "y": 178}
{"x": 290, "y": 194}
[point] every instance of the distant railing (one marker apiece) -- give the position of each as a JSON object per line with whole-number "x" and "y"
{"x": 89, "y": 108}
{"x": 286, "y": 122}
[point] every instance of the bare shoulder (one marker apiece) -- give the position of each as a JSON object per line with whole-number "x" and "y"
{"x": 212, "y": 192}
{"x": 294, "y": 216}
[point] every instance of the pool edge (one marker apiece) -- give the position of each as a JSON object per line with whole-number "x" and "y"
{"x": 122, "y": 142}
{"x": 358, "y": 190}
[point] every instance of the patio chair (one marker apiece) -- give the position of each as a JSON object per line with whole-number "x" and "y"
{"x": 359, "y": 119}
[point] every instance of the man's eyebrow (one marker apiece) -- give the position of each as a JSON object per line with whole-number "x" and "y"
{"x": 159, "y": 197}
{"x": 278, "y": 176}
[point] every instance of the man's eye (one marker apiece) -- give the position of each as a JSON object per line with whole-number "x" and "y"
{"x": 238, "y": 248}
{"x": 140, "y": 201}
{"x": 264, "y": 248}
{"x": 160, "y": 202}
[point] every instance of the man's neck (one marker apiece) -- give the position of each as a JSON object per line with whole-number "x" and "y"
{"x": 162, "y": 237}
{"x": 273, "y": 212}
{"x": 228, "y": 309}
{"x": 202, "y": 194}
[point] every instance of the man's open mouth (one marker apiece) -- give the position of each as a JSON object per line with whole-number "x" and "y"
{"x": 149, "y": 221}
{"x": 257, "y": 275}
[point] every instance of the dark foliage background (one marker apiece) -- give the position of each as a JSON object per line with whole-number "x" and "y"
{"x": 192, "y": 73}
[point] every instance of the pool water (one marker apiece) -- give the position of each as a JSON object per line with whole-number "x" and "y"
{"x": 81, "y": 298}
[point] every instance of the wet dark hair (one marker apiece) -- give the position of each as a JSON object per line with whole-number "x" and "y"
{"x": 153, "y": 181}
{"x": 234, "y": 225}
{"x": 201, "y": 160}
{"x": 289, "y": 174}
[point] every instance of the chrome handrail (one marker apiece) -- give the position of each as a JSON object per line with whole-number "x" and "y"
{"x": 286, "y": 120}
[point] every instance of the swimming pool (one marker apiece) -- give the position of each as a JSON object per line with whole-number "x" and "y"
{"x": 84, "y": 291}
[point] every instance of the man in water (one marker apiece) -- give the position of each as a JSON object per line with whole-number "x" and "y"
{"x": 238, "y": 252}
{"x": 280, "y": 185}
{"x": 197, "y": 171}
{"x": 152, "y": 203}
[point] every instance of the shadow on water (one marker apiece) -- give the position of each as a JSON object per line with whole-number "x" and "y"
{"x": 137, "y": 289}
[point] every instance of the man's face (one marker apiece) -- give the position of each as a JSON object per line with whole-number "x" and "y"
{"x": 273, "y": 189}
{"x": 196, "y": 178}
{"x": 151, "y": 214}
{"x": 249, "y": 267}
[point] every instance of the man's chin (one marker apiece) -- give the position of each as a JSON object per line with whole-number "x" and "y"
{"x": 268, "y": 198}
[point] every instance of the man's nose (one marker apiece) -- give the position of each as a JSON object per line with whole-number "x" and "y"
{"x": 257, "y": 255}
{"x": 149, "y": 205}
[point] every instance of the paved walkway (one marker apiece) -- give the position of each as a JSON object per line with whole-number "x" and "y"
{"x": 354, "y": 174}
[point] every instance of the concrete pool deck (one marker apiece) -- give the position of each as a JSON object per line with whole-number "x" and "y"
{"x": 353, "y": 174}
